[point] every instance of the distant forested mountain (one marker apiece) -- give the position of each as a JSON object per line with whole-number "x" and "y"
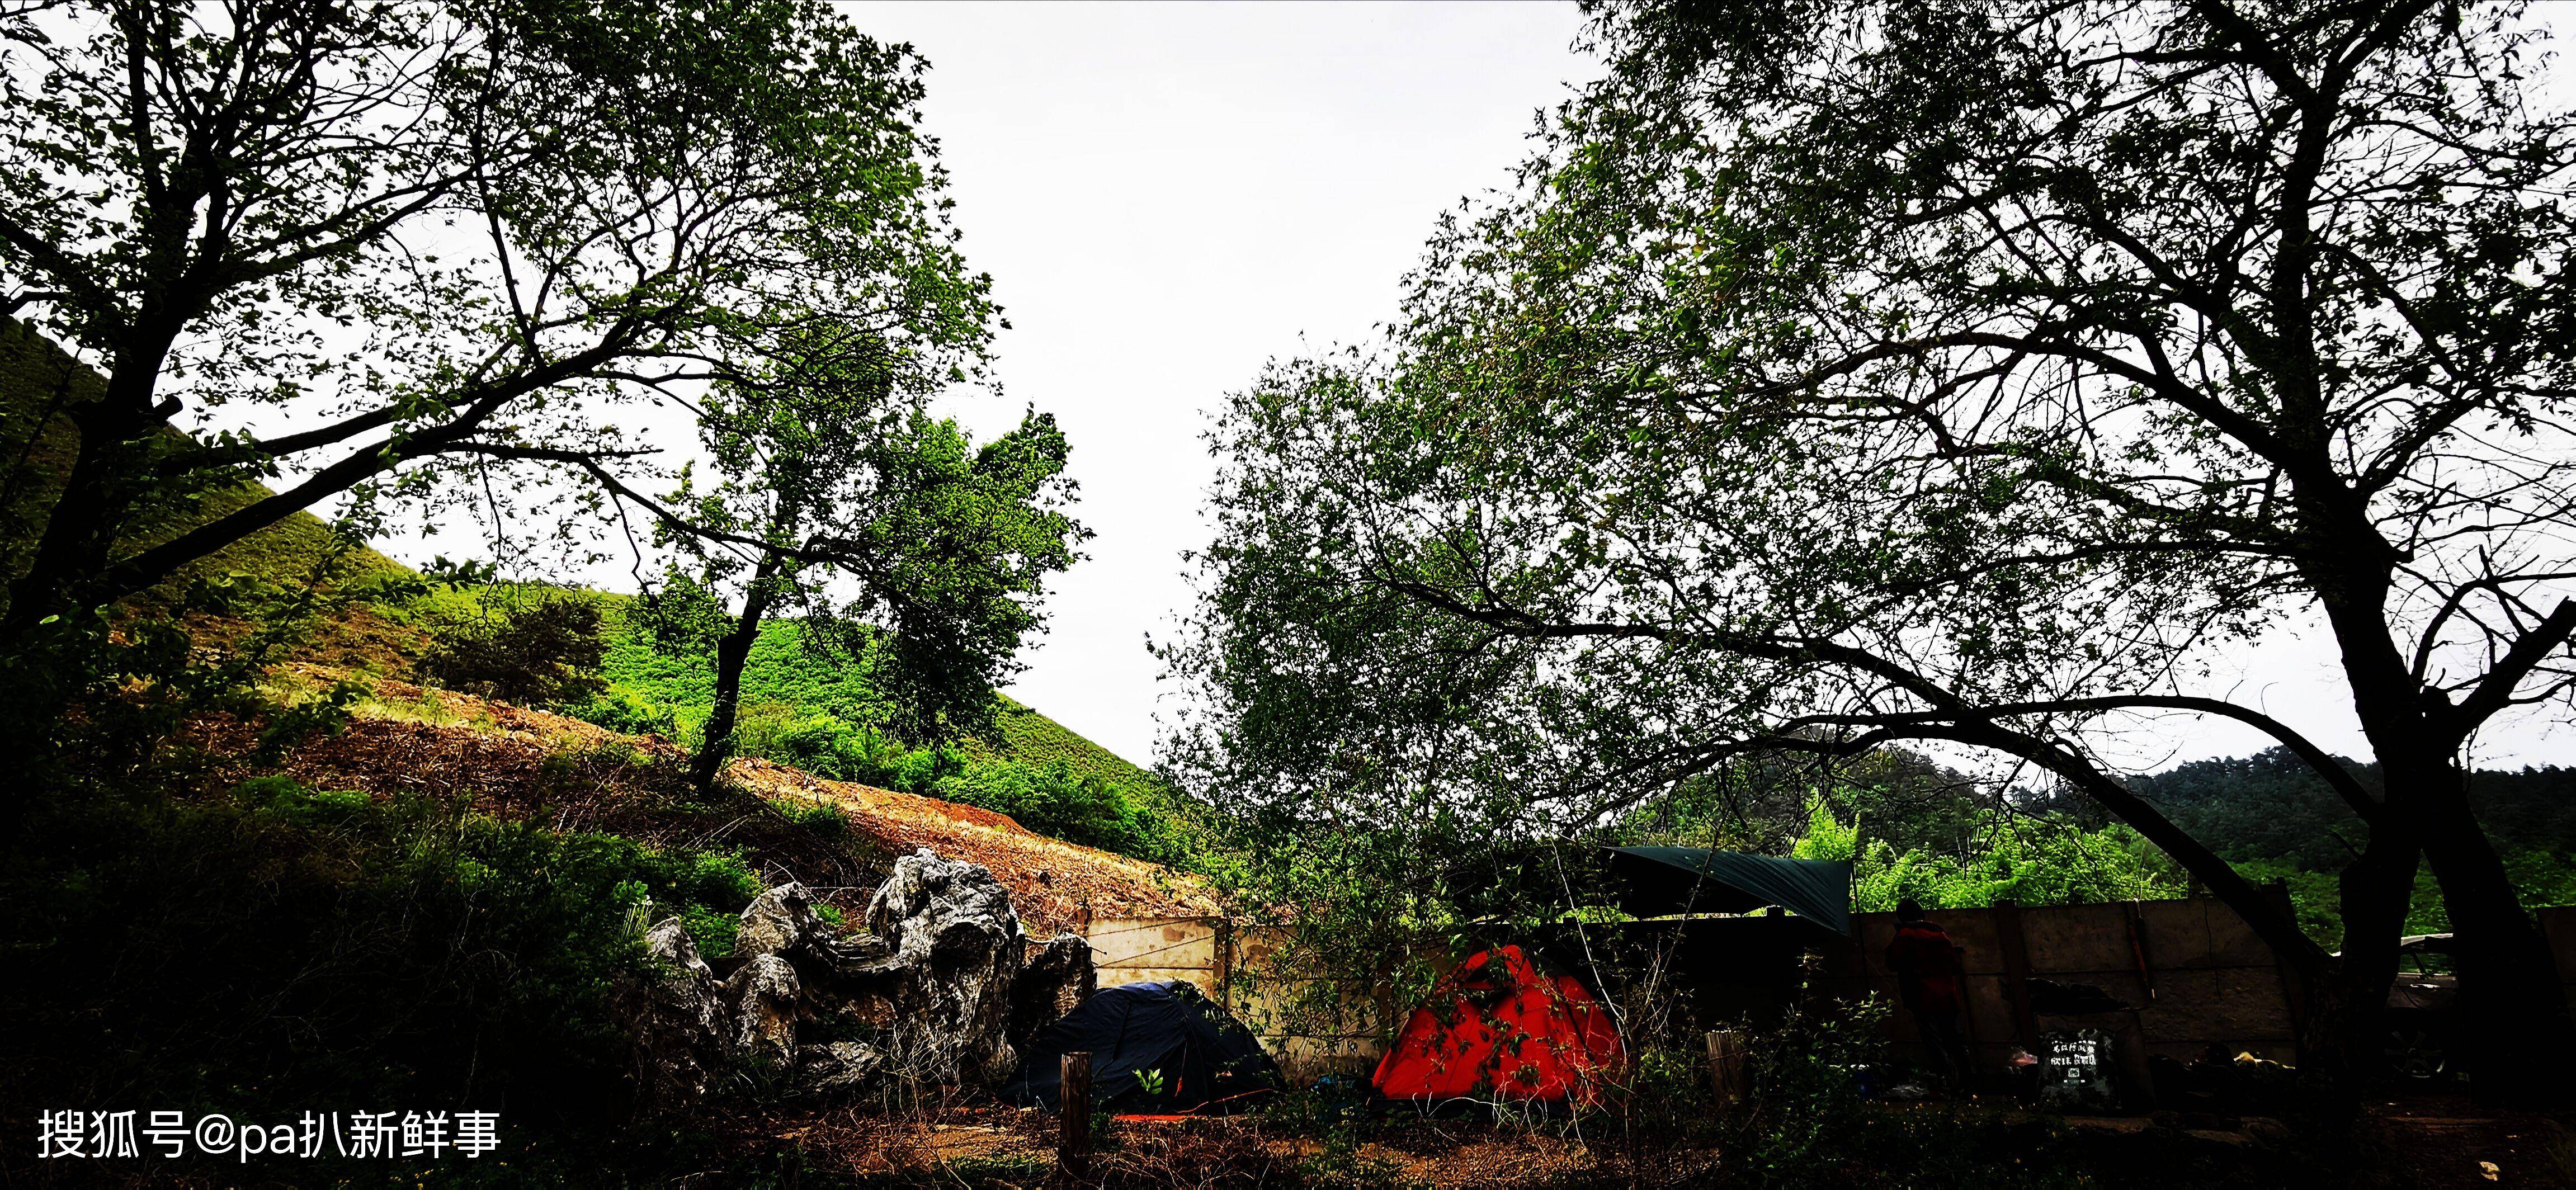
{"x": 2269, "y": 806}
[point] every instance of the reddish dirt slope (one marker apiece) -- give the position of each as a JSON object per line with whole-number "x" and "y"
{"x": 414, "y": 739}
{"x": 1056, "y": 885}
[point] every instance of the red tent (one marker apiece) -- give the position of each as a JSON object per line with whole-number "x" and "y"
{"x": 1498, "y": 1029}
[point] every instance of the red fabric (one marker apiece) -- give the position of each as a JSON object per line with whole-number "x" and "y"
{"x": 1926, "y": 967}
{"x": 1499, "y": 1029}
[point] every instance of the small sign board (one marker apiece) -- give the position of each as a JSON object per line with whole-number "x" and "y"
{"x": 2075, "y": 1070}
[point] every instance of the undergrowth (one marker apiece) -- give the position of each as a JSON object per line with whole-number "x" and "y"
{"x": 580, "y": 652}
{"x": 284, "y": 949}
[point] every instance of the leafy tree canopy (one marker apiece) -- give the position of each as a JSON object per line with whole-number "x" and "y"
{"x": 829, "y": 475}
{"x": 406, "y": 243}
{"x": 1843, "y": 375}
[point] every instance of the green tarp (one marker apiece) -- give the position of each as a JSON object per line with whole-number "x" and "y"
{"x": 1660, "y": 881}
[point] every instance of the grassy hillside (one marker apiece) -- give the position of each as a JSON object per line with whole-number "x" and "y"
{"x": 37, "y": 381}
{"x": 1032, "y": 738}
{"x": 822, "y": 715}
{"x": 798, "y": 709}
{"x": 786, "y": 692}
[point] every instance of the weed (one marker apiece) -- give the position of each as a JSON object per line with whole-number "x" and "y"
{"x": 425, "y": 707}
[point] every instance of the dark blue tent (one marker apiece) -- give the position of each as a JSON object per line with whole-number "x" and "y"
{"x": 1165, "y": 1034}
{"x": 1660, "y": 881}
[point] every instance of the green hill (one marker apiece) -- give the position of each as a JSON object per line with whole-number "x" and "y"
{"x": 37, "y": 380}
{"x": 821, "y": 716}
{"x": 798, "y": 709}
{"x": 1033, "y": 738}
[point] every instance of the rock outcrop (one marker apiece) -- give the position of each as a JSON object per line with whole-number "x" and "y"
{"x": 677, "y": 1019}
{"x": 957, "y": 953}
{"x": 940, "y": 989}
{"x": 1057, "y": 977}
{"x": 764, "y": 998}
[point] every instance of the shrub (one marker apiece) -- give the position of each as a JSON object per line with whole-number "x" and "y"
{"x": 825, "y": 821}
{"x": 287, "y": 800}
{"x": 712, "y": 931}
{"x": 285, "y": 948}
{"x": 623, "y": 710}
{"x": 544, "y": 652}
{"x": 1808, "y": 1106}
{"x": 782, "y": 732}
{"x": 1054, "y": 800}
{"x": 2041, "y": 860}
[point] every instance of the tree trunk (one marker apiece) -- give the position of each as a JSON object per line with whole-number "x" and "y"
{"x": 96, "y": 498}
{"x": 732, "y": 651}
{"x": 2515, "y": 1034}
{"x": 2346, "y": 1029}
{"x": 2518, "y": 1040}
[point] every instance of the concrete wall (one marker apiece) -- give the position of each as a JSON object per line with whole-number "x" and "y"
{"x": 2197, "y": 973}
{"x": 1152, "y": 949}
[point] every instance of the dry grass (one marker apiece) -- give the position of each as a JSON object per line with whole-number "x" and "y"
{"x": 932, "y": 1145}
{"x": 410, "y": 739}
{"x": 1055, "y": 885}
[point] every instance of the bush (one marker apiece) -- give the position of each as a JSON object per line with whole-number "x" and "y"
{"x": 1808, "y": 1107}
{"x": 1053, "y": 799}
{"x": 812, "y": 741}
{"x": 2042, "y": 860}
{"x": 287, "y": 948}
{"x": 625, "y": 711}
{"x": 1057, "y": 802}
{"x": 544, "y": 652}
{"x": 825, "y": 821}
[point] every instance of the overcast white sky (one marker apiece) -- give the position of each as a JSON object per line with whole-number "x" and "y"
{"x": 1168, "y": 195}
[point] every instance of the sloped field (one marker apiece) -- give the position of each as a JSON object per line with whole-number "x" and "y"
{"x": 573, "y": 775}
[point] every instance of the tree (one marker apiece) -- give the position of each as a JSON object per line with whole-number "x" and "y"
{"x": 829, "y": 469}
{"x": 427, "y": 240}
{"x": 1970, "y": 373}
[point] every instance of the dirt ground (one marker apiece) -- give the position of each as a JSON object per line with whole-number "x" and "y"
{"x": 411, "y": 738}
{"x": 2446, "y": 1140}
{"x": 997, "y": 1147}
{"x": 2431, "y": 1140}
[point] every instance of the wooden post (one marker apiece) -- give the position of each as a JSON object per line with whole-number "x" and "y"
{"x": 1727, "y": 1070}
{"x": 1221, "y": 947}
{"x": 1073, "y": 1144}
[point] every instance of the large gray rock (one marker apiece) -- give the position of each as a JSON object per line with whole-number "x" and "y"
{"x": 764, "y": 998}
{"x": 679, "y": 1015}
{"x": 778, "y": 921}
{"x": 939, "y": 990}
{"x": 1057, "y": 976}
{"x": 840, "y": 1069}
{"x": 783, "y": 922}
{"x": 957, "y": 953}
{"x": 930, "y": 906}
